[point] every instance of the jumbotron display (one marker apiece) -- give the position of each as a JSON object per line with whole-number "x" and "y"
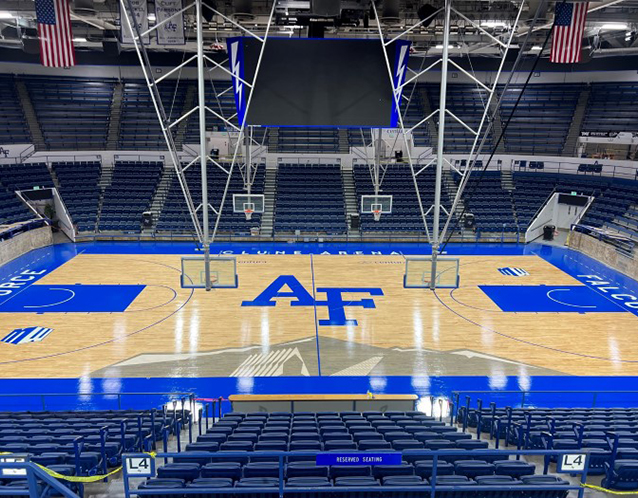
{"x": 317, "y": 82}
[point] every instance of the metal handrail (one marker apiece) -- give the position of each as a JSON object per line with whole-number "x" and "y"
{"x": 33, "y": 475}
{"x": 171, "y": 396}
{"x": 432, "y": 487}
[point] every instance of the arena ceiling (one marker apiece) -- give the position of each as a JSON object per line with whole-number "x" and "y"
{"x": 610, "y": 31}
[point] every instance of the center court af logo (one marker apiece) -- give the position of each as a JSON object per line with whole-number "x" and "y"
{"x": 27, "y": 335}
{"x": 334, "y": 298}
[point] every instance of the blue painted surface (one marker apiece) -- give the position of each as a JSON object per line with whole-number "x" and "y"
{"x": 549, "y": 299}
{"x": 581, "y": 267}
{"x": 72, "y": 299}
{"x": 213, "y": 387}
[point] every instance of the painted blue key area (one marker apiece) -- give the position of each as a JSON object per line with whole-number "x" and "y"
{"x": 72, "y": 299}
{"x": 14, "y": 392}
{"x": 549, "y": 299}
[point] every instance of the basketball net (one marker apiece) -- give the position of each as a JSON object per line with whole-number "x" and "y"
{"x": 377, "y": 214}
{"x": 248, "y": 213}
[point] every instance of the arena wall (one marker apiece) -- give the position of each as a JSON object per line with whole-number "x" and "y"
{"x": 25, "y": 242}
{"x": 603, "y": 252}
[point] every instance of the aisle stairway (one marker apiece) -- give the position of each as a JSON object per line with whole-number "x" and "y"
{"x": 30, "y": 115}
{"x": 350, "y": 196}
{"x": 270, "y": 192}
{"x": 115, "y": 117}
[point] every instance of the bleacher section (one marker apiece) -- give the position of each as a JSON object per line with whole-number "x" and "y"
{"x": 541, "y": 121}
{"x": 303, "y": 435}
{"x": 13, "y": 126}
{"x": 308, "y": 140}
{"x": 413, "y": 114}
{"x": 80, "y": 442}
{"x": 613, "y": 196}
{"x": 80, "y": 191}
{"x": 129, "y": 195}
{"x": 310, "y": 199}
{"x": 175, "y": 217}
{"x": 12, "y": 209}
{"x": 25, "y": 176}
{"x": 73, "y": 113}
{"x": 405, "y": 216}
{"x": 612, "y": 107}
{"x": 223, "y": 105}
{"x": 139, "y": 126}
{"x": 467, "y": 102}
{"x": 609, "y": 435}
{"x": 491, "y": 205}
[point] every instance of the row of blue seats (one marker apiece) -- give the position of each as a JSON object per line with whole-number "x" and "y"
{"x": 544, "y": 486}
{"x": 516, "y": 469}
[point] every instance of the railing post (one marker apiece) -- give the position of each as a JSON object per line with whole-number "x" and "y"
{"x": 492, "y": 422}
{"x": 281, "y": 476}
{"x": 435, "y": 463}
{"x": 467, "y": 413}
{"x": 479, "y": 417}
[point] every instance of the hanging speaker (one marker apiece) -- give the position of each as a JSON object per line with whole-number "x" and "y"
{"x": 426, "y": 10}
{"x": 325, "y": 8}
{"x": 207, "y": 13}
{"x": 390, "y": 9}
{"x": 316, "y": 30}
{"x": 243, "y": 7}
{"x": 111, "y": 47}
{"x": 30, "y": 42}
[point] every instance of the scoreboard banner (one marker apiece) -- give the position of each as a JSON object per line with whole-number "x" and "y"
{"x": 327, "y": 82}
{"x": 398, "y": 76}
{"x": 236, "y": 53}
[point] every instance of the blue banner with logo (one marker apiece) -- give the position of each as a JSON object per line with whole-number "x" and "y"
{"x": 402, "y": 55}
{"x": 236, "y": 56}
{"x": 391, "y": 458}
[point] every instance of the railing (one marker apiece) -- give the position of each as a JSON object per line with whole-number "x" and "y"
{"x": 57, "y": 158}
{"x": 88, "y": 401}
{"x": 143, "y": 465}
{"x": 158, "y": 157}
{"x": 420, "y": 238}
{"x": 567, "y": 167}
{"x": 35, "y": 477}
{"x": 531, "y": 399}
{"x": 306, "y": 160}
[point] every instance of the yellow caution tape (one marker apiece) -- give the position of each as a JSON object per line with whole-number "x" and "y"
{"x": 610, "y": 491}
{"x": 83, "y": 479}
{"x": 62, "y": 477}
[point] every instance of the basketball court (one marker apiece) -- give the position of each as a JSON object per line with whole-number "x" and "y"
{"x": 119, "y": 310}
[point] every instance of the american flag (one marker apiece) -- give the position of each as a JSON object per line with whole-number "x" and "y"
{"x": 54, "y": 32}
{"x": 567, "y": 38}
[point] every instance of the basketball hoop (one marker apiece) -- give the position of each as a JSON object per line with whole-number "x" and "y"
{"x": 377, "y": 214}
{"x": 248, "y": 213}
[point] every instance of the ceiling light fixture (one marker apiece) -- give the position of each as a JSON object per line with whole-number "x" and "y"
{"x": 614, "y": 26}
{"x": 151, "y": 17}
{"x": 6, "y": 15}
{"x": 79, "y": 39}
{"x": 493, "y": 24}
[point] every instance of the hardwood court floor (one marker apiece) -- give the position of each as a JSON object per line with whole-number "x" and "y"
{"x": 169, "y": 331}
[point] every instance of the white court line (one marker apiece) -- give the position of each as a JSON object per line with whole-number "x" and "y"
{"x": 590, "y": 306}
{"x": 53, "y": 304}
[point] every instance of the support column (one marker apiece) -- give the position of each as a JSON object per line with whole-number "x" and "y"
{"x": 440, "y": 143}
{"x": 203, "y": 153}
